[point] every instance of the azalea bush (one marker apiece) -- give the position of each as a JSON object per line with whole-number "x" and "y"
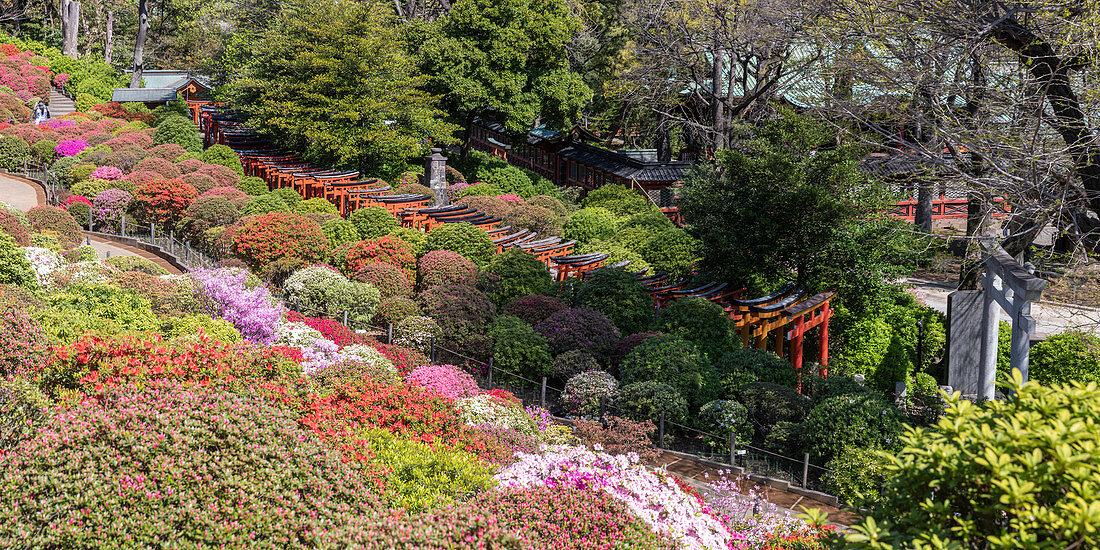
{"x": 535, "y": 308}
{"x": 443, "y": 267}
{"x": 263, "y": 239}
{"x": 446, "y": 380}
{"x": 385, "y": 249}
{"x": 579, "y": 329}
{"x": 250, "y": 308}
{"x": 463, "y": 314}
{"x": 321, "y": 290}
{"x": 162, "y": 201}
{"x": 465, "y": 239}
{"x": 586, "y": 392}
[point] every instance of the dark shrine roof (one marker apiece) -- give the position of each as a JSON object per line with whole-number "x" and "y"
{"x": 624, "y": 166}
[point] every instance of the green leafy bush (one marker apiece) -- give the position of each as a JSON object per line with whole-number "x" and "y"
{"x": 572, "y": 363}
{"x": 316, "y": 206}
{"x": 701, "y": 322}
{"x": 340, "y": 232}
{"x": 224, "y": 156}
{"x": 516, "y": 273}
{"x": 181, "y": 131}
{"x": 1067, "y": 357}
{"x": 618, "y": 199}
{"x": 743, "y": 366}
{"x": 508, "y": 179}
{"x": 856, "y": 420}
{"x": 856, "y": 476}
{"x": 770, "y": 405}
{"x": 189, "y": 326}
{"x": 415, "y": 238}
{"x": 463, "y": 314}
{"x": 394, "y": 309}
{"x": 265, "y": 204}
{"x": 289, "y": 196}
{"x": 373, "y": 222}
{"x": 1015, "y": 473}
{"x": 535, "y": 308}
{"x": 44, "y": 151}
{"x": 675, "y": 361}
{"x": 253, "y": 186}
{"x": 721, "y": 417}
{"x": 672, "y": 251}
{"x": 618, "y": 294}
{"x": 646, "y": 400}
{"x": 616, "y": 253}
{"x": 518, "y": 348}
{"x": 94, "y": 307}
{"x": 22, "y": 411}
{"x": 57, "y": 220}
{"x": 590, "y": 224}
{"x": 13, "y": 153}
{"x": 465, "y": 239}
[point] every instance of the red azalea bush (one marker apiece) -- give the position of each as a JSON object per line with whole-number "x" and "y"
{"x": 162, "y": 201}
{"x": 164, "y": 167}
{"x": 130, "y": 139}
{"x": 224, "y": 176}
{"x": 189, "y": 165}
{"x": 534, "y": 308}
{"x": 260, "y": 240}
{"x": 449, "y": 381}
{"x": 486, "y": 204}
{"x": 385, "y": 249}
{"x": 202, "y": 468}
{"x": 336, "y": 331}
{"x": 581, "y": 329}
{"x": 443, "y": 267}
{"x": 13, "y": 226}
{"x": 114, "y": 110}
{"x": 389, "y": 279}
{"x": 52, "y": 218}
{"x": 405, "y": 359}
{"x": 126, "y": 158}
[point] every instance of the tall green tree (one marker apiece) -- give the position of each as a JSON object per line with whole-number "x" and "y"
{"x": 332, "y": 79}
{"x": 508, "y": 57}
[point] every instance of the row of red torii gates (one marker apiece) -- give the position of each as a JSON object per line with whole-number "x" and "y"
{"x": 782, "y": 319}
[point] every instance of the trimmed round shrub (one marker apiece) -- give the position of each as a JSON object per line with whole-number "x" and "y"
{"x": 253, "y": 186}
{"x": 465, "y": 239}
{"x": 240, "y": 198}
{"x": 414, "y": 189}
{"x": 181, "y": 131}
{"x": 701, "y": 322}
{"x": 590, "y": 224}
{"x": 136, "y": 263}
{"x": 572, "y": 363}
{"x": 208, "y": 212}
{"x": 170, "y": 151}
{"x": 463, "y": 314}
{"x": 321, "y": 290}
{"x": 618, "y": 199}
{"x": 263, "y": 239}
{"x": 52, "y": 218}
{"x": 584, "y": 392}
{"x": 14, "y": 227}
{"x": 289, "y": 196}
{"x": 139, "y": 178}
{"x": 123, "y": 453}
{"x": 579, "y": 329}
{"x": 1067, "y": 357}
{"x": 225, "y": 177}
{"x": 384, "y": 249}
{"x": 743, "y": 366}
{"x": 416, "y": 332}
{"x": 446, "y": 380}
{"x": 109, "y": 207}
{"x": 265, "y": 204}
{"x": 188, "y": 166}
{"x": 126, "y": 158}
{"x": 856, "y": 420}
{"x": 534, "y": 218}
{"x": 443, "y": 267}
{"x": 393, "y": 309}
{"x": 722, "y": 416}
{"x": 82, "y": 172}
{"x": 316, "y": 206}
{"x": 14, "y": 267}
{"x": 516, "y": 273}
{"x": 373, "y": 222}
{"x": 493, "y": 206}
{"x": 770, "y": 405}
{"x": 224, "y": 156}
{"x": 201, "y": 182}
{"x": 14, "y": 151}
{"x": 477, "y": 189}
{"x": 550, "y": 203}
{"x": 162, "y": 201}
{"x": 618, "y": 294}
{"x": 90, "y": 188}
{"x": 25, "y": 346}
{"x": 616, "y": 253}
{"x": 165, "y": 168}
{"x": 416, "y": 238}
{"x": 389, "y": 279}
{"x": 646, "y": 400}
{"x": 675, "y": 361}
{"x": 672, "y": 251}
{"x": 627, "y": 344}
{"x": 517, "y": 348}
{"x": 535, "y": 308}
{"x": 340, "y": 232}
{"x": 44, "y": 151}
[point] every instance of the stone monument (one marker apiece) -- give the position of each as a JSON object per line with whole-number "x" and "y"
{"x": 435, "y": 175}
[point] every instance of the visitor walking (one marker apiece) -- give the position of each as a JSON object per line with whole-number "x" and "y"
{"x": 41, "y": 113}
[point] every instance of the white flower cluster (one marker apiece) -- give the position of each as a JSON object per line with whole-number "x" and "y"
{"x": 485, "y": 409}
{"x": 43, "y": 261}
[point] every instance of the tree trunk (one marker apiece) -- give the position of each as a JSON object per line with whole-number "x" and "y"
{"x": 70, "y": 27}
{"x": 970, "y": 273}
{"x": 139, "y": 45}
{"x": 664, "y": 139}
{"x": 717, "y": 107}
{"x": 109, "y": 40}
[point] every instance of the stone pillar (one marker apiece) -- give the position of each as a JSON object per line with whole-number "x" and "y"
{"x": 964, "y": 330}
{"x": 435, "y": 175}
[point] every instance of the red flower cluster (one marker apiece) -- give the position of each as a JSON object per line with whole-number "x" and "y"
{"x": 405, "y": 359}
{"x": 333, "y": 330}
{"x": 163, "y": 201}
{"x": 114, "y": 110}
{"x": 260, "y": 240}
{"x": 385, "y": 249}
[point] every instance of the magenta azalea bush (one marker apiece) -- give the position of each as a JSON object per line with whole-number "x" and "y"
{"x": 109, "y": 173}
{"x": 252, "y": 310}
{"x": 579, "y": 329}
{"x": 446, "y": 380}
{"x": 70, "y": 147}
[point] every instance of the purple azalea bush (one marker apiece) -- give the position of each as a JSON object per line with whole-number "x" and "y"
{"x": 70, "y": 147}
{"x": 253, "y": 311}
{"x": 108, "y": 208}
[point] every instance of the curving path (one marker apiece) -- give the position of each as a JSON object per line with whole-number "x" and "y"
{"x": 25, "y": 195}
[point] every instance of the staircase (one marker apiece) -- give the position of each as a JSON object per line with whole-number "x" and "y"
{"x": 60, "y": 104}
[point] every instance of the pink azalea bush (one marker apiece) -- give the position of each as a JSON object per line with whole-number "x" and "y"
{"x": 446, "y": 380}
{"x": 109, "y": 173}
{"x": 108, "y": 208}
{"x": 70, "y": 147}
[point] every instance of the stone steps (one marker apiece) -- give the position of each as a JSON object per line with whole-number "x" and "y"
{"x": 60, "y": 105}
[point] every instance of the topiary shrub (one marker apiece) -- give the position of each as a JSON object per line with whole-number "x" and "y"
{"x": 477, "y": 189}
{"x": 535, "y": 308}
{"x": 321, "y": 290}
{"x": 44, "y": 151}
{"x": 517, "y": 348}
{"x": 672, "y": 251}
{"x": 647, "y": 400}
{"x": 224, "y": 156}
{"x": 486, "y": 204}
{"x": 181, "y": 131}
{"x": 769, "y": 405}
{"x": 701, "y": 322}
{"x": 201, "y": 182}
{"x": 463, "y": 314}
{"x": 260, "y": 240}
{"x": 534, "y": 218}
{"x": 1034, "y": 482}
{"x": 416, "y": 332}
{"x": 443, "y": 267}
{"x": 15, "y": 227}
{"x": 465, "y": 239}
{"x": 590, "y": 224}
{"x": 14, "y": 152}
{"x": 126, "y": 158}
{"x": 389, "y": 279}
{"x": 516, "y": 273}
{"x": 225, "y": 177}
{"x": 858, "y": 420}
{"x": 721, "y": 417}
{"x": 1067, "y": 357}
{"x": 373, "y": 222}
{"x": 550, "y": 203}
{"x": 384, "y": 249}
{"x": 675, "y": 361}
{"x": 190, "y": 165}
{"x": 744, "y": 366}
{"x": 298, "y": 488}
{"x": 393, "y": 309}
{"x": 162, "y": 201}
{"x": 617, "y": 294}
{"x": 584, "y": 393}
{"x": 414, "y": 237}
{"x": 316, "y": 206}
{"x": 265, "y": 204}
{"x": 579, "y": 329}
{"x": 339, "y": 232}
{"x": 206, "y": 212}
{"x": 253, "y": 186}
{"x": 57, "y": 220}
{"x": 618, "y": 199}
{"x": 165, "y": 168}
{"x": 170, "y": 151}
{"x": 572, "y": 363}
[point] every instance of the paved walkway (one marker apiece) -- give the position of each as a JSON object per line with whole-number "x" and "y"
{"x": 1050, "y": 318}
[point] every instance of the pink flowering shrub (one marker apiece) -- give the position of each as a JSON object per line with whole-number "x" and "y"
{"x": 23, "y": 346}
{"x": 70, "y": 147}
{"x": 108, "y": 208}
{"x": 252, "y": 310}
{"x": 60, "y": 79}
{"x": 109, "y": 173}
{"x": 446, "y": 380}
{"x": 512, "y": 198}
{"x": 443, "y": 267}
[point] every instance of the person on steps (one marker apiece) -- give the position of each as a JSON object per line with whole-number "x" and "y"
{"x": 41, "y": 113}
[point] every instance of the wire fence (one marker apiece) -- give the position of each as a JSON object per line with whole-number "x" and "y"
{"x": 669, "y": 435}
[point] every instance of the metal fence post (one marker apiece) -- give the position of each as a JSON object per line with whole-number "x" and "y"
{"x": 603, "y": 407}
{"x": 171, "y": 241}
{"x": 733, "y": 448}
{"x": 389, "y": 333}
{"x": 89, "y": 219}
{"x": 805, "y": 469}
{"x": 431, "y": 354}
{"x": 153, "y": 232}
{"x": 124, "y": 225}
{"x": 661, "y": 432}
{"x": 490, "y": 372}
{"x": 542, "y": 399}
{"x": 345, "y": 317}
